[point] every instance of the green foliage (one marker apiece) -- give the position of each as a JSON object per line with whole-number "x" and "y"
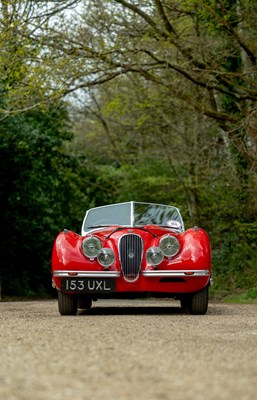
{"x": 244, "y": 297}
{"x": 40, "y": 195}
{"x": 234, "y": 256}
{"x": 161, "y": 152}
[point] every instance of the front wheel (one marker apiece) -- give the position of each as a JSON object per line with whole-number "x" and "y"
{"x": 198, "y": 302}
{"x": 67, "y": 304}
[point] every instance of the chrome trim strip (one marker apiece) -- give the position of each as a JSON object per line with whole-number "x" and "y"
{"x": 187, "y": 273}
{"x": 86, "y": 274}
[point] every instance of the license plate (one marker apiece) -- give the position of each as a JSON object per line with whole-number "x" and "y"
{"x": 90, "y": 285}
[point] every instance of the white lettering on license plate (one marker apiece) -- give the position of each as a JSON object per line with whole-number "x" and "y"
{"x": 98, "y": 285}
{"x": 90, "y": 285}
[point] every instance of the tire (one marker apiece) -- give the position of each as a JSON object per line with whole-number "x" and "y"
{"x": 67, "y": 304}
{"x": 198, "y": 302}
{"x": 84, "y": 302}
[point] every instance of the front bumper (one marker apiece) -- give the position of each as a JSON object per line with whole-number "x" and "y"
{"x": 145, "y": 273}
{"x": 152, "y": 281}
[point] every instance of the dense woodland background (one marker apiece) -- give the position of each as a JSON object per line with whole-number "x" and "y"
{"x": 111, "y": 101}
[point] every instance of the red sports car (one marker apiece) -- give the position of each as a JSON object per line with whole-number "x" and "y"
{"x": 130, "y": 250}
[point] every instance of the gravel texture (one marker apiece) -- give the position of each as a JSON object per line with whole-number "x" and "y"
{"x": 136, "y": 350}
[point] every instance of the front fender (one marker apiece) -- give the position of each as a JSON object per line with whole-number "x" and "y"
{"x": 196, "y": 248}
{"x": 66, "y": 251}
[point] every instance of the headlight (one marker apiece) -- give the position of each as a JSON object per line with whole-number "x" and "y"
{"x": 91, "y": 246}
{"x": 154, "y": 255}
{"x": 169, "y": 245}
{"x": 105, "y": 257}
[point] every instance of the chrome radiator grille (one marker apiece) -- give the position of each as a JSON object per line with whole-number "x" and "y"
{"x": 130, "y": 252}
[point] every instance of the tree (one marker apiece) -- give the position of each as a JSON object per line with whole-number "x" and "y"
{"x": 35, "y": 171}
{"x": 182, "y": 46}
{"x": 40, "y": 194}
{"x": 188, "y": 42}
{"x": 24, "y": 66}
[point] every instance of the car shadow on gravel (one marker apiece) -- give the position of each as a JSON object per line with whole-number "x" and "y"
{"x": 132, "y": 311}
{"x": 114, "y": 308}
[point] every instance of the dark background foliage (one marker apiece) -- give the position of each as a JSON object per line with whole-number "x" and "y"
{"x": 40, "y": 194}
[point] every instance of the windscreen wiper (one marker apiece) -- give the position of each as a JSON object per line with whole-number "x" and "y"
{"x": 116, "y": 230}
{"x": 99, "y": 226}
{"x": 130, "y": 227}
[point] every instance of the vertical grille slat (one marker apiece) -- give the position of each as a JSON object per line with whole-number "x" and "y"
{"x": 130, "y": 252}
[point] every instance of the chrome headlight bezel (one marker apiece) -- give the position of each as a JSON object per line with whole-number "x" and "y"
{"x": 154, "y": 255}
{"x": 91, "y": 246}
{"x": 170, "y": 245}
{"x": 106, "y": 257}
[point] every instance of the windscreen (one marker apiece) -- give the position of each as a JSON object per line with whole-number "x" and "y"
{"x": 117, "y": 214}
{"x": 133, "y": 214}
{"x": 157, "y": 214}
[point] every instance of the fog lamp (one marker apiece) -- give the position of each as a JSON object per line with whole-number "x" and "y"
{"x": 154, "y": 255}
{"x": 106, "y": 257}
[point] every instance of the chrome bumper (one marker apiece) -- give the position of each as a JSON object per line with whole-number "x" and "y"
{"x": 117, "y": 274}
{"x": 169, "y": 273}
{"x": 86, "y": 274}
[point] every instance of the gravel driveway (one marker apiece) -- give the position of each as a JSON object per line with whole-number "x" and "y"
{"x": 137, "y": 350}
